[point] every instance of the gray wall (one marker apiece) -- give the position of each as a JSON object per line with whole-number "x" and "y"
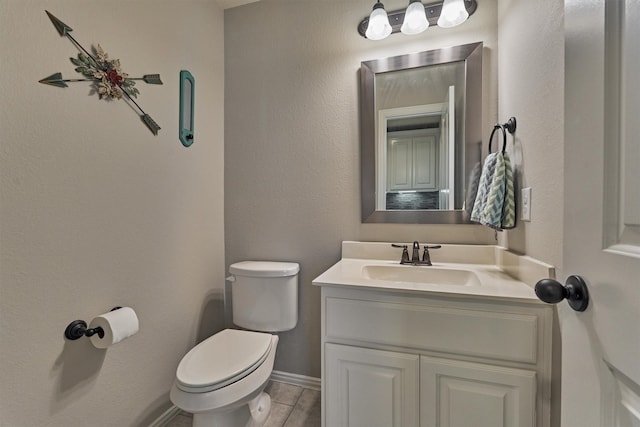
{"x": 292, "y": 175}
{"x": 531, "y": 71}
{"x": 96, "y": 212}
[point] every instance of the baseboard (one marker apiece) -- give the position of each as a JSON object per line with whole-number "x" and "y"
{"x": 295, "y": 379}
{"x": 166, "y": 417}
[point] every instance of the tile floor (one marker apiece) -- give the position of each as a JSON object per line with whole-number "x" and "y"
{"x": 291, "y": 406}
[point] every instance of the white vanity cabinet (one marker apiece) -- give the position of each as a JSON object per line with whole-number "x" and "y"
{"x": 405, "y": 359}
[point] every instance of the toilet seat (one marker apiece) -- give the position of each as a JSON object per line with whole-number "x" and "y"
{"x": 222, "y": 359}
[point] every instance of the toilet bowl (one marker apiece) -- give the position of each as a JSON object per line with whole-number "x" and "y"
{"x": 221, "y": 380}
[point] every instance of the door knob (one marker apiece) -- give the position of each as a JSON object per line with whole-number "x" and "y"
{"x": 575, "y": 291}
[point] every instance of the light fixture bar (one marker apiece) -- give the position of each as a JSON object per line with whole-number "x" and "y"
{"x": 432, "y": 10}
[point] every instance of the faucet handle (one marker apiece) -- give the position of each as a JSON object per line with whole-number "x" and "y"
{"x": 426, "y": 259}
{"x": 405, "y": 253}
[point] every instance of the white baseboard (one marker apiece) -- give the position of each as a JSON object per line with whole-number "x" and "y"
{"x": 296, "y": 379}
{"x": 166, "y": 417}
{"x": 283, "y": 377}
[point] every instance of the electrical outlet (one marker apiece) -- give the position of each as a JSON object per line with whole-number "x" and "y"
{"x": 526, "y": 204}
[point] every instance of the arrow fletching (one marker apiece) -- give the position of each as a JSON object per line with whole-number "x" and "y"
{"x": 153, "y": 79}
{"x": 153, "y": 126}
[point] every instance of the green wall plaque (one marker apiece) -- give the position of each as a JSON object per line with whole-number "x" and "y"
{"x": 187, "y": 91}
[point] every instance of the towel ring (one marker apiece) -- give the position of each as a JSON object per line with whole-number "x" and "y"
{"x": 504, "y": 137}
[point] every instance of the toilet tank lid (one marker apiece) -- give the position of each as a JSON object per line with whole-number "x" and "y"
{"x": 264, "y": 268}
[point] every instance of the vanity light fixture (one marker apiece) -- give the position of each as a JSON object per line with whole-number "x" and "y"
{"x": 453, "y": 13}
{"x": 378, "y": 27}
{"x": 415, "y": 19}
{"x": 444, "y": 13}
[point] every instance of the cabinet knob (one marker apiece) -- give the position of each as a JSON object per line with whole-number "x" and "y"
{"x": 575, "y": 292}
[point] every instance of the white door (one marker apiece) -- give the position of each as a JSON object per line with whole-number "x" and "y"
{"x": 601, "y": 346}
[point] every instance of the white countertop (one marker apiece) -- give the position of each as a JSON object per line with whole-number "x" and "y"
{"x": 493, "y": 282}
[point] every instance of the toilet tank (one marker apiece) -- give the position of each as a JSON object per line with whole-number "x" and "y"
{"x": 265, "y": 295}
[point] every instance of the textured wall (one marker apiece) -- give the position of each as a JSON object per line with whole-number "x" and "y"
{"x": 95, "y": 211}
{"x": 292, "y": 174}
{"x": 531, "y": 64}
{"x": 531, "y": 70}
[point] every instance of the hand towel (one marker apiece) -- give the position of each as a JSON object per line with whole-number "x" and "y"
{"x": 486, "y": 176}
{"x": 495, "y": 201}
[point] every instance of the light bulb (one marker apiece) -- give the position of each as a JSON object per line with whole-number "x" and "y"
{"x": 415, "y": 19}
{"x": 453, "y": 13}
{"x": 379, "y": 27}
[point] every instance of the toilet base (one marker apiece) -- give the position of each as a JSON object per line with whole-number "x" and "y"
{"x": 252, "y": 414}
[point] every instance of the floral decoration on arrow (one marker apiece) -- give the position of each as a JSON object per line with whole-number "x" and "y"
{"x": 109, "y": 79}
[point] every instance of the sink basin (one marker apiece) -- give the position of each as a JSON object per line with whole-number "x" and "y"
{"x": 421, "y": 274}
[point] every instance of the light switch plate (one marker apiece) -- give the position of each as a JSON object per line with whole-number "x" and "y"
{"x": 526, "y": 204}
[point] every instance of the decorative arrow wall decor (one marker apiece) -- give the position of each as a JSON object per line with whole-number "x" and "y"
{"x": 109, "y": 80}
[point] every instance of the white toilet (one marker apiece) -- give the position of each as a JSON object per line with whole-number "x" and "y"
{"x": 221, "y": 380}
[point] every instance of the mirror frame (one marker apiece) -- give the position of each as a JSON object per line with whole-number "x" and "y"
{"x": 471, "y": 54}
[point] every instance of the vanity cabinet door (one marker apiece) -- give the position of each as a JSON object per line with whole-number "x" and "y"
{"x": 463, "y": 394}
{"x": 370, "y": 388}
{"x": 424, "y": 163}
{"x": 400, "y": 172}
{"x": 412, "y": 162}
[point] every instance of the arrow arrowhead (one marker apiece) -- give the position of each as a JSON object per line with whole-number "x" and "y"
{"x": 62, "y": 28}
{"x": 54, "y": 80}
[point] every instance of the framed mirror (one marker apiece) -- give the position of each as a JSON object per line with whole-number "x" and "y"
{"x": 421, "y": 135}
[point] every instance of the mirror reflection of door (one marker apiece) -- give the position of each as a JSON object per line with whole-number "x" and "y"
{"x": 416, "y": 157}
{"x": 412, "y": 169}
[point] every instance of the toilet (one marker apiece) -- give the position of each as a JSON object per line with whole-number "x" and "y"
{"x": 221, "y": 381}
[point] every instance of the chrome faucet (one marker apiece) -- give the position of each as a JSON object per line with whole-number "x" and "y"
{"x": 415, "y": 255}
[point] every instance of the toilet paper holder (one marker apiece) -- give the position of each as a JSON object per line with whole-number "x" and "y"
{"x": 78, "y": 329}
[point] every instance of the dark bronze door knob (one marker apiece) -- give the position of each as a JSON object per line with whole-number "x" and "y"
{"x": 575, "y": 291}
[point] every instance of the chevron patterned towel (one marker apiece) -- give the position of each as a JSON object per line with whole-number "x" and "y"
{"x": 495, "y": 201}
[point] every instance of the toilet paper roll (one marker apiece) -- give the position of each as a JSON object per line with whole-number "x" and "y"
{"x": 117, "y": 325}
